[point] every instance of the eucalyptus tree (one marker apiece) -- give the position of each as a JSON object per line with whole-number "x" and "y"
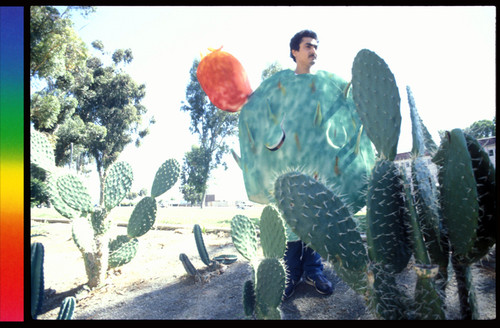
{"x": 110, "y": 107}
{"x": 213, "y": 128}
{"x": 89, "y": 110}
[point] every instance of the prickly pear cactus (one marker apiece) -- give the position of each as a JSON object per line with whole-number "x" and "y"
{"x": 404, "y": 217}
{"x": 91, "y": 225}
{"x": 262, "y": 296}
{"x": 321, "y": 219}
{"x": 307, "y": 122}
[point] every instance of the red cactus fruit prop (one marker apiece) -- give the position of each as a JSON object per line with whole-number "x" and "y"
{"x": 224, "y": 80}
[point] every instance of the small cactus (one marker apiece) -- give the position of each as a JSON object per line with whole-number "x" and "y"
{"x": 213, "y": 264}
{"x": 269, "y": 286}
{"x": 67, "y": 308}
{"x": 37, "y": 281}
{"x": 262, "y": 296}
{"x": 200, "y": 245}
{"x": 188, "y": 266}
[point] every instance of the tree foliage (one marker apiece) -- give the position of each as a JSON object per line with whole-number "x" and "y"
{"x": 213, "y": 126}
{"x": 479, "y": 129}
{"x": 55, "y": 47}
{"x": 482, "y": 129}
{"x": 270, "y": 70}
{"x": 90, "y": 110}
{"x": 194, "y": 174}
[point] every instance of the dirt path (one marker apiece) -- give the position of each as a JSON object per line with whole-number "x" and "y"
{"x": 155, "y": 286}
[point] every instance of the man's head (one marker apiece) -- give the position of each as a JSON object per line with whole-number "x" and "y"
{"x": 297, "y": 40}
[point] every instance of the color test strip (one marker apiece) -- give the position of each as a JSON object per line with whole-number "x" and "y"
{"x": 11, "y": 164}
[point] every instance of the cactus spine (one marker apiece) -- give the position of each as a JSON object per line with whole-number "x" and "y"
{"x": 91, "y": 226}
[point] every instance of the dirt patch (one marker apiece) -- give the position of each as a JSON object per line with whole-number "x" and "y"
{"x": 154, "y": 285}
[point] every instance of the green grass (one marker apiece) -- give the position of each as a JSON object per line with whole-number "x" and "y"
{"x": 207, "y": 217}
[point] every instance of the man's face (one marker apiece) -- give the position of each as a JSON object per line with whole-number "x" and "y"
{"x": 306, "y": 55}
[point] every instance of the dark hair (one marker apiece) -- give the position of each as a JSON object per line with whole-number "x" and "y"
{"x": 297, "y": 39}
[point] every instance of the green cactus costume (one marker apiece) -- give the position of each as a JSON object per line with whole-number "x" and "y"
{"x": 306, "y": 122}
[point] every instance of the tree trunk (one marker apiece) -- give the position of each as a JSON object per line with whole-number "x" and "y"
{"x": 203, "y": 199}
{"x": 102, "y": 178}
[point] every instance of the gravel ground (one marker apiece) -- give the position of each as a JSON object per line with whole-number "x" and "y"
{"x": 155, "y": 285}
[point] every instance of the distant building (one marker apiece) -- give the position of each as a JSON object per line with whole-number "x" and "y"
{"x": 403, "y": 161}
{"x": 209, "y": 198}
{"x": 489, "y": 145}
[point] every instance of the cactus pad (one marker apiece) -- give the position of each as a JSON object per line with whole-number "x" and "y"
{"x": 272, "y": 232}
{"x": 56, "y": 199}
{"x": 122, "y": 250}
{"x": 244, "y": 236}
{"x": 83, "y": 234}
{"x": 321, "y": 219}
{"x": 386, "y": 217}
{"x": 165, "y": 177}
{"x": 41, "y": 152}
{"x": 74, "y": 193}
{"x": 377, "y": 101}
{"x": 269, "y": 287}
{"x": 484, "y": 174}
{"x": 422, "y": 139}
{"x": 142, "y": 218}
{"x": 100, "y": 221}
{"x": 118, "y": 182}
{"x": 458, "y": 192}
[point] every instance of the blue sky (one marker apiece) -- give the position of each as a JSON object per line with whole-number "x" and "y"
{"x": 445, "y": 54}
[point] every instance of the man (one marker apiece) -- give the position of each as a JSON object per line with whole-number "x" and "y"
{"x": 303, "y": 48}
{"x": 300, "y": 259}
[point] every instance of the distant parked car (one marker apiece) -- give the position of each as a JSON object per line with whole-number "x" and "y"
{"x": 243, "y": 205}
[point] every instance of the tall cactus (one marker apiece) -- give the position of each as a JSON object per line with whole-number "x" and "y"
{"x": 402, "y": 218}
{"x": 90, "y": 229}
{"x": 468, "y": 201}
